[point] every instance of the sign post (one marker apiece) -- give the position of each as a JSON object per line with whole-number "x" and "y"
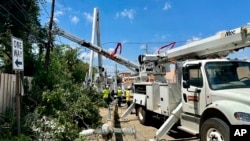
{"x": 18, "y": 65}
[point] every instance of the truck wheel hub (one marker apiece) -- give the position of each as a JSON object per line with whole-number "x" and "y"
{"x": 214, "y": 135}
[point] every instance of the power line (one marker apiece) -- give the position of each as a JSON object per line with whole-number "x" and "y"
{"x": 44, "y": 8}
{"x": 19, "y": 21}
{"x": 22, "y": 10}
{"x": 142, "y": 43}
{"x": 67, "y": 15}
{"x": 13, "y": 16}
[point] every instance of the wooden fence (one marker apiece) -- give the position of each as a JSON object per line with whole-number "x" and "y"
{"x": 8, "y": 90}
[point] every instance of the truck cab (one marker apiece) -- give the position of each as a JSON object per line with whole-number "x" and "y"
{"x": 215, "y": 95}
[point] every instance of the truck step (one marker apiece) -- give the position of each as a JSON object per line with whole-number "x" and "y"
{"x": 188, "y": 130}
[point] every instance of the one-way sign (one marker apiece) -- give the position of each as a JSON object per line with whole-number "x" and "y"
{"x": 17, "y": 53}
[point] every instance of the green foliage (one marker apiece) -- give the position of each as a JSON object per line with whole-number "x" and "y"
{"x": 63, "y": 113}
{"x": 7, "y": 123}
{"x": 21, "y": 137}
{"x": 57, "y": 107}
{"x": 76, "y": 67}
{"x": 20, "y": 19}
{"x": 81, "y": 138}
{"x": 56, "y": 74}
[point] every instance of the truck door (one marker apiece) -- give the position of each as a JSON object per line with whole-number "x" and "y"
{"x": 193, "y": 90}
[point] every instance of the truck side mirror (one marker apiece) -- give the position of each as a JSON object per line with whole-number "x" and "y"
{"x": 185, "y": 77}
{"x": 185, "y": 74}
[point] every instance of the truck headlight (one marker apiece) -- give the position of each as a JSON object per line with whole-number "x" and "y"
{"x": 242, "y": 116}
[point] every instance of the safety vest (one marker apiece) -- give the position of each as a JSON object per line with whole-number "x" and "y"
{"x": 119, "y": 92}
{"x": 127, "y": 95}
{"x": 106, "y": 93}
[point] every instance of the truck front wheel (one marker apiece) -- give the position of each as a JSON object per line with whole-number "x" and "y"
{"x": 214, "y": 129}
{"x": 142, "y": 115}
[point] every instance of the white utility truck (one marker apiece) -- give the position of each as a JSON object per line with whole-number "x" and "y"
{"x": 207, "y": 94}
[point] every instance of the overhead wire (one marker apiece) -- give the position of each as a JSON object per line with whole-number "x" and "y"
{"x": 22, "y": 10}
{"x": 115, "y": 42}
{"x": 66, "y": 19}
{"x": 67, "y": 15}
{"x": 19, "y": 21}
{"x": 44, "y": 8}
{"x": 13, "y": 16}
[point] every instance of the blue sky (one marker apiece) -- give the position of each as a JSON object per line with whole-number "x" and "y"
{"x": 152, "y": 23}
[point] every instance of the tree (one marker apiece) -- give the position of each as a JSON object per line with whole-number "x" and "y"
{"x": 20, "y": 19}
{"x": 57, "y": 96}
{"x": 60, "y": 99}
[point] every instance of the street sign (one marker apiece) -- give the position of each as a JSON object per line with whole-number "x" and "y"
{"x": 17, "y": 53}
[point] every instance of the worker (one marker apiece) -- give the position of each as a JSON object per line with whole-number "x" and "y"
{"x": 119, "y": 96}
{"x": 128, "y": 96}
{"x": 106, "y": 95}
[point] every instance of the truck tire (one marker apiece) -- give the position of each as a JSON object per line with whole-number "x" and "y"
{"x": 214, "y": 129}
{"x": 142, "y": 115}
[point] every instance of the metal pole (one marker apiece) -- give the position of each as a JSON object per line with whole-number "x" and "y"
{"x": 18, "y": 109}
{"x": 92, "y": 52}
{"x": 98, "y": 35}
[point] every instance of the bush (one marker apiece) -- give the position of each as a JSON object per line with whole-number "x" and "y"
{"x": 8, "y": 124}
{"x": 63, "y": 113}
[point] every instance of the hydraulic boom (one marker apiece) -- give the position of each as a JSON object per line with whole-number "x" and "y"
{"x": 217, "y": 46}
{"x": 132, "y": 66}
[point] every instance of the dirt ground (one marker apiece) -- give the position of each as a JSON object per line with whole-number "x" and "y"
{"x": 143, "y": 133}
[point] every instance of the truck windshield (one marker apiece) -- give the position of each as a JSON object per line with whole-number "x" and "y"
{"x": 228, "y": 75}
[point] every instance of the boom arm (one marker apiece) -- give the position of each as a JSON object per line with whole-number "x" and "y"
{"x": 132, "y": 66}
{"x": 219, "y": 45}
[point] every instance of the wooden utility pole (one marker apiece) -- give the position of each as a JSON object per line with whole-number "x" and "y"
{"x": 49, "y": 43}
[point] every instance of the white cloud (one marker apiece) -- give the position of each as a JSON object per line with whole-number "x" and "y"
{"x": 110, "y": 49}
{"x": 127, "y": 13}
{"x": 74, "y": 19}
{"x": 167, "y": 6}
{"x": 55, "y": 20}
{"x": 86, "y": 55}
{"x": 88, "y": 16}
{"x": 143, "y": 47}
{"x": 58, "y": 13}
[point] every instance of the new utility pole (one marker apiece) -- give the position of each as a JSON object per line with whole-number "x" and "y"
{"x": 95, "y": 37}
